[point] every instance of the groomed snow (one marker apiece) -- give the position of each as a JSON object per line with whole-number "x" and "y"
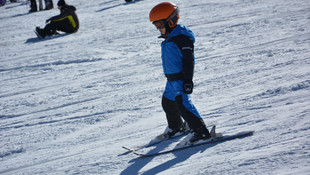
{"x": 69, "y": 103}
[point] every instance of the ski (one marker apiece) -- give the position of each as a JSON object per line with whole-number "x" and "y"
{"x": 163, "y": 137}
{"x": 155, "y": 141}
{"x": 209, "y": 141}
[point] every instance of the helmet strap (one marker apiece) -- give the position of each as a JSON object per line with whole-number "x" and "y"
{"x": 174, "y": 14}
{"x": 173, "y": 18}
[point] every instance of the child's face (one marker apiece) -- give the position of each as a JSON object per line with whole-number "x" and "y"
{"x": 160, "y": 25}
{"x": 162, "y": 31}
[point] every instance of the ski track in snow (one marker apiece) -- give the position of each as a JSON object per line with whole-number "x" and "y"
{"x": 68, "y": 103}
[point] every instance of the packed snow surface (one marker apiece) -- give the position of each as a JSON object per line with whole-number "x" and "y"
{"x": 69, "y": 103}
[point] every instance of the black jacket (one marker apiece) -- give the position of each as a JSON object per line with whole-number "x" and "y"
{"x": 67, "y": 13}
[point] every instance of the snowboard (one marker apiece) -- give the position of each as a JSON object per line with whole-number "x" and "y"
{"x": 38, "y": 35}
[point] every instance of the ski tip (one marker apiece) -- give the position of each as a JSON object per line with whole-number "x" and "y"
{"x": 247, "y": 133}
{"x": 252, "y": 132}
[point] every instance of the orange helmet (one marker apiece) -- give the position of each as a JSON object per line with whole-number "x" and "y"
{"x": 165, "y": 11}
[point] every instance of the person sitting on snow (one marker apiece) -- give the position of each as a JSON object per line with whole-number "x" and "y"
{"x": 67, "y": 21}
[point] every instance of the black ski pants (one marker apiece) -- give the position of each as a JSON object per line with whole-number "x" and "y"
{"x": 175, "y": 110}
{"x": 64, "y": 26}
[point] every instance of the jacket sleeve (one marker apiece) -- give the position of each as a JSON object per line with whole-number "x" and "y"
{"x": 186, "y": 46}
{"x": 59, "y": 17}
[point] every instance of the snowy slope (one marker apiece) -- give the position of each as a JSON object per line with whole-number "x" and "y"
{"x": 68, "y": 103}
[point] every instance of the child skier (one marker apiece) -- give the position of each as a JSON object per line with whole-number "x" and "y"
{"x": 67, "y": 21}
{"x": 178, "y": 65}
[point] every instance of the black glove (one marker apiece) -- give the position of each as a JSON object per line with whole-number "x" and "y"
{"x": 188, "y": 86}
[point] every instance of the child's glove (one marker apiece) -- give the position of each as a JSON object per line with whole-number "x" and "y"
{"x": 188, "y": 86}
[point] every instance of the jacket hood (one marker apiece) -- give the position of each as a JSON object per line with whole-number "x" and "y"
{"x": 68, "y": 7}
{"x": 181, "y": 30}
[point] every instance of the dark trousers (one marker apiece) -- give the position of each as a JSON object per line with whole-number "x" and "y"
{"x": 64, "y": 26}
{"x": 175, "y": 109}
{"x": 177, "y": 104}
{"x": 33, "y": 5}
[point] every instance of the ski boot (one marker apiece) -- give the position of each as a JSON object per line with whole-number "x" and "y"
{"x": 40, "y": 32}
{"x": 201, "y": 133}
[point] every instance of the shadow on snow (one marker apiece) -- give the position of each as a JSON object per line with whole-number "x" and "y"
{"x": 180, "y": 156}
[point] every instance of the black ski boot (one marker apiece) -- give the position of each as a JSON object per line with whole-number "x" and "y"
{"x": 201, "y": 133}
{"x": 40, "y": 32}
{"x": 171, "y": 132}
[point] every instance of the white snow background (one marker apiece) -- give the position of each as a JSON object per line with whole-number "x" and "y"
{"x": 69, "y": 103}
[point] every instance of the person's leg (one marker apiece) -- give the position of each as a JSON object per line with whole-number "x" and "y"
{"x": 188, "y": 111}
{"x": 172, "y": 114}
{"x": 175, "y": 122}
{"x": 53, "y": 27}
{"x": 33, "y": 6}
{"x": 50, "y": 29}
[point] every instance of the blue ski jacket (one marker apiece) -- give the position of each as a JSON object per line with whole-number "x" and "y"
{"x": 178, "y": 54}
